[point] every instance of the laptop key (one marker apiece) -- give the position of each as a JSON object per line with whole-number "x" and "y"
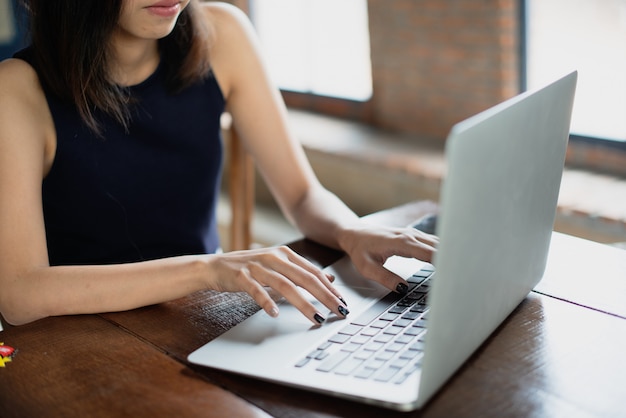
{"x": 364, "y": 373}
{"x": 348, "y": 366}
{"x": 363, "y": 355}
{"x": 333, "y": 361}
{"x": 360, "y": 339}
{"x": 398, "y": 309}
{"x": 395, "y": 347}
{"x": 416, "y": 296}
{"x": 383, "y": 338}
{"x": 414, "y": 331}
{"x": 350, "y": 329}
{"x": 370, "y": 331}
{"x": 350, "y": 347}
{"x": 420, "y": 307}
{"x": 389, "y": 316}
{"x": 314, "y": 353}
{"x": 374, "y": 346}
{"x": 405, "y": 338}
{"x": 399, "y": 363}
{"x": 324, "y": 346}
{"x": 411, "y": 315}
{"x": 393, "y": 331}
{"x": 417, "y": 346}
{"x": 379, "y": 323}
{"x": 376, "y": 309}
{"x": 303, "y": 362}
{"x": 424, "y": 273}
{"x": 385, "y": 355}
{"x": 402, "y": 323}
{"x": 386, "y": 374}
{"x": 420, "y": 323}
{"x": 375, "y": 364}
{"x": 410, "y": 354}
{"x": 415, "y": 279}
{"x": 405, "y": 375}
{"x": 339, "y": 338}
{"x": 407, "y": 302}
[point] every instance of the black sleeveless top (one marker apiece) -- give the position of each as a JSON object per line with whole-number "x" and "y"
{"x": 145, "y": 193}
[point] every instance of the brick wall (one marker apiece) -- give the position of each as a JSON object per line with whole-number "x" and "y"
{"x": 434, "y": 62}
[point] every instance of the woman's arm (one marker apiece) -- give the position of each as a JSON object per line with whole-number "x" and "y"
{"x": 260, "y": 117}
{"x": 30, "y": 289}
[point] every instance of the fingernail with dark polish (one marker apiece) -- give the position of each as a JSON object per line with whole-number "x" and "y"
{"x": 318, "y": 318}
{"x": 343, "y": 301}
{"x": 343, "y": 311}
{"x": 402, "y": 288}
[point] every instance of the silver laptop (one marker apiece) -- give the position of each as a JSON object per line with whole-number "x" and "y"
{"x": 498, "y": 204}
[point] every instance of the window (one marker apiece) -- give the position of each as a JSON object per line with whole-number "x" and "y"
{"x": 11, "y": 36}
{"x": 316, "y": 46}
{"x": 587, "y": 35}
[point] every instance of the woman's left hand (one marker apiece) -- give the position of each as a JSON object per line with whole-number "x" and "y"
{"x": 369, "y": 246}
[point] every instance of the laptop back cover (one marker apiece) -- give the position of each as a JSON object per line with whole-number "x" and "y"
{"x": 498, "y": 205}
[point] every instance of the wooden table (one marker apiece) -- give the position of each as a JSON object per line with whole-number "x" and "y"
{"x": 562, "y": 352}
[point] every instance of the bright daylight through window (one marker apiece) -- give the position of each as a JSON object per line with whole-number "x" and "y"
{"x": 587, "y": 35}
{"x": 316, "y": 46}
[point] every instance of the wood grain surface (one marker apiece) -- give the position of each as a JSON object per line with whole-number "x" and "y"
{"x": 560, "y": 353}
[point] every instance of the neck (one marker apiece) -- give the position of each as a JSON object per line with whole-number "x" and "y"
{"x": 133, "y": 61}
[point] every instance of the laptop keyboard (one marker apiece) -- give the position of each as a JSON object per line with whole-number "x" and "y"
{"x": 385, "y": 343}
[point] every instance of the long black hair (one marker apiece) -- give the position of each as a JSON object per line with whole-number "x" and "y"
{"x": 70, "y": 41}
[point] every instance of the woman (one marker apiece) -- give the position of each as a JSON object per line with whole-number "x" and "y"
{"x": 110, "y": 160}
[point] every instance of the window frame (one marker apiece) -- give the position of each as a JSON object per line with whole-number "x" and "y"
{"x": 340, "y": 107}
{"x": 610, "y": 145}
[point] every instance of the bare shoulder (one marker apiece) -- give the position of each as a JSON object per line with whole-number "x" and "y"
{"x": 235, "y": 51}
{"x": 230, "y": 26}
{"x": 223, "y": 13}
{"x": 24, "y": 112}
{"x": 16, "y": 71}
{"x": 19, "y": 85}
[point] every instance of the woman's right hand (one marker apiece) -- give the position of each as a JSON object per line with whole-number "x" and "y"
{"x": 281, "y": 269}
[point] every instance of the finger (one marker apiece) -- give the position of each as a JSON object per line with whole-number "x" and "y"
{"x": 260, "y": 296}
{"x": 375, "y": 271}
{"x": 422, "y": 252}
{"x": 291, "y": 293}
{"x": 408, "y": 244}
{"x": 316, "y": 282}
{"x": 432, "y": 240}
{"x": 331, "y": 279}
{"x": 278, "y": 282}
{"x": 306, "y": 264}
{"x": 320, "y": 289}
{"x": 308, "y": 276}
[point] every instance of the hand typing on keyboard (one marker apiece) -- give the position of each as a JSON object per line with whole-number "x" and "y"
{"x": 370, "y": 246}
{"x": 385, "y": 343}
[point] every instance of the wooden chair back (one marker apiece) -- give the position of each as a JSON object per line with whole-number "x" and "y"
{"x": 241, "y": 177}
